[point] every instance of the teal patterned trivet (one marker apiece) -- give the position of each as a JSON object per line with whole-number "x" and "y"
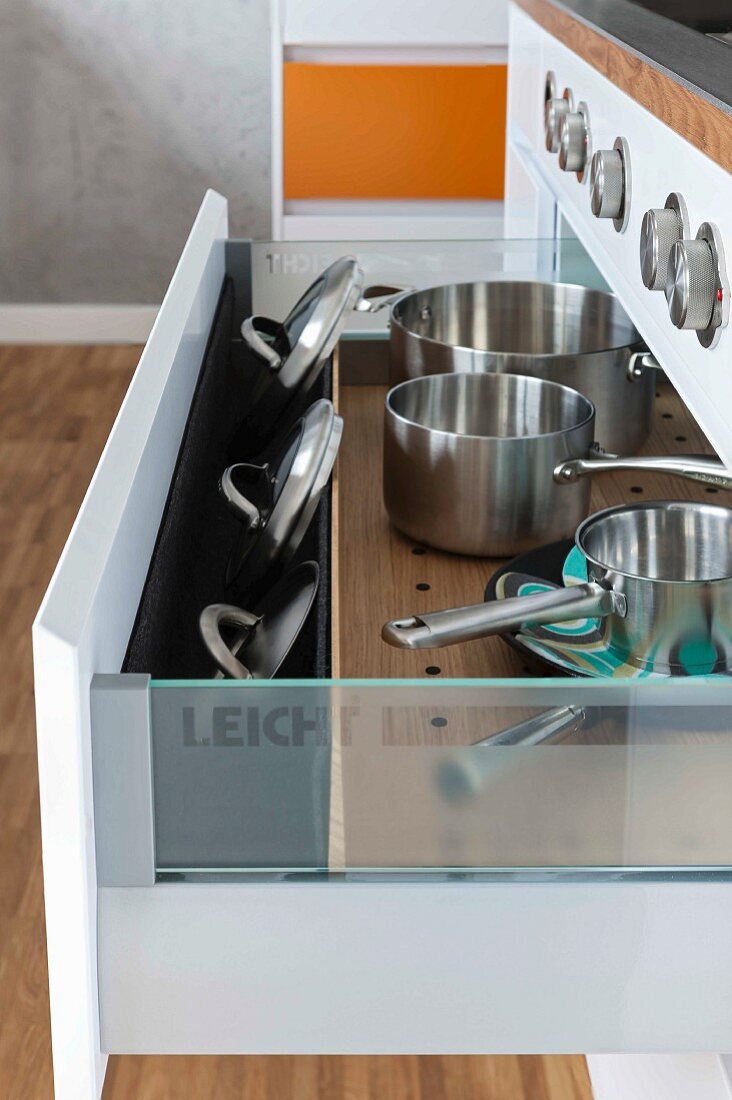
{"x": 577, "y": 647}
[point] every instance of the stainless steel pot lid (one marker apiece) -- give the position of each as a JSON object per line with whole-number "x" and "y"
{"x": 263, "y": 637}
{"x": 276, "y": 501}
{"x": 295, "y": 350}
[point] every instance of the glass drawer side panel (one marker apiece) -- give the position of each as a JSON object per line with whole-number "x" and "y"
{"x": 450, "y": 778}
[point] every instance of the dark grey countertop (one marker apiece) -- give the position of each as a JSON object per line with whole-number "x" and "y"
{"x": 701, "y": 63}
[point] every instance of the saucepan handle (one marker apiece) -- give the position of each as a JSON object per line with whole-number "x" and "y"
{"x": 710, "y": 471}
{"x": 464, "y": 774}
{"x": 375, "y": 298}
{"x": 639, "y": 362}
{"x": 251, "y": 333}
{"x": 211, "y": 620}
{"x": 538, "y": 729}
{"x": 465, "y": 624}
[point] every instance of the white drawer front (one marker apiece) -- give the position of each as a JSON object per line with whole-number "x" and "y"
{"x": 84, "y": 624}
{"x": 310, "y": 966}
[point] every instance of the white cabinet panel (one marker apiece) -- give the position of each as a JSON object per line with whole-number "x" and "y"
{"x": 455, "y": 968}
{"x": 83, "y": 627}
{"x": 382, "y": 22}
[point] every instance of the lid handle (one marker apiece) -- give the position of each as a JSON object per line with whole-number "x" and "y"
{"x": 253, "y": 516}
{"x": 251, "y": 332}
{"x": 375, "y": 298}
{"x": 211, "y": 620}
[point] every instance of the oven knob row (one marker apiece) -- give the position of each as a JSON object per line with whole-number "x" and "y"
{"x": 692, "y": 272}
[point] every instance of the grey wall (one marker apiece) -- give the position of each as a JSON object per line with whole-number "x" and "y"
{"x": 115, "y": 116}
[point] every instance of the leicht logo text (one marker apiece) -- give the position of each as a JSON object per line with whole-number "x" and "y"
{"x": 249, "y": 727}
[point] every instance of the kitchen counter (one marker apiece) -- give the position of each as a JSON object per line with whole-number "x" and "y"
{"x": 700, "y": 63}
{"x": 677, "y": 72}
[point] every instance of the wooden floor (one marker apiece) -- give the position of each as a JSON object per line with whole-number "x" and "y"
{"x": 56, "y": 408}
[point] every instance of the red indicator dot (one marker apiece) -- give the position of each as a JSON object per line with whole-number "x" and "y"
{"x": 720, "y": 294}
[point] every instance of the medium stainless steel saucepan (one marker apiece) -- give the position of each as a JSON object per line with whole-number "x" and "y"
{"x": 659, "y": 575}
{"x": 494, "y": 464}
{"x": 568, "y": 334}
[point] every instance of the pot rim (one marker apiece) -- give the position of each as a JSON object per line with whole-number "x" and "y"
{"x": 646, "y": 506}
{"x": 635, "y": 345}
{"x": 423, "y": 379}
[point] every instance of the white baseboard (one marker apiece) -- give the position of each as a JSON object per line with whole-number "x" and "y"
{"x": 75, "y": 324}
{"x": 658, "y": 1077}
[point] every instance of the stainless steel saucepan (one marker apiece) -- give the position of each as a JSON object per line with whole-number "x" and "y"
{"x": 494, "y": 464}
{"x": 568, "y": 334}
{"x": 659, "y": 575}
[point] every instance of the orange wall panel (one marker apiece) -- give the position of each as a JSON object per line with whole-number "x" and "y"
{"x": 394, "y": 131}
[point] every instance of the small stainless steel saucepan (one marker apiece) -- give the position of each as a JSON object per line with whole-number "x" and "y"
{"x": 659, "y": 575}
{"x": 573, "y": 335}
{"x": 494, "y": 464}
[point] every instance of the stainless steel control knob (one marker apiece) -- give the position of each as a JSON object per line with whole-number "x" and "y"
{"x": 606, "y": 183}
{"x": 610, "y": 184}
{"x": 691, "y": 287}
{"x": 554, "y": 112}
{"x": 574, "y": 141}
{"x": 660, "y": 231}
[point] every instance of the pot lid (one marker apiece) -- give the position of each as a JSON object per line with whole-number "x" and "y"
{"x": 276, "y": 501}
{"x": 295, "y": 350}
{"x": 265, "y": 636}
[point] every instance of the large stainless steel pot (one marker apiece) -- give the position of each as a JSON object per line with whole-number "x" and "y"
{"x": 494, "y": 464}
{"x": 659, "y": 575}
{"x": 569, "y": 334}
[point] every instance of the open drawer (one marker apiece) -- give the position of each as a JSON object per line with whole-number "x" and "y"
{"x": 328, "y": 863}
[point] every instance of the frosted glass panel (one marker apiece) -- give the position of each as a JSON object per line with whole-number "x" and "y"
{"x": 456, "y": 777}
